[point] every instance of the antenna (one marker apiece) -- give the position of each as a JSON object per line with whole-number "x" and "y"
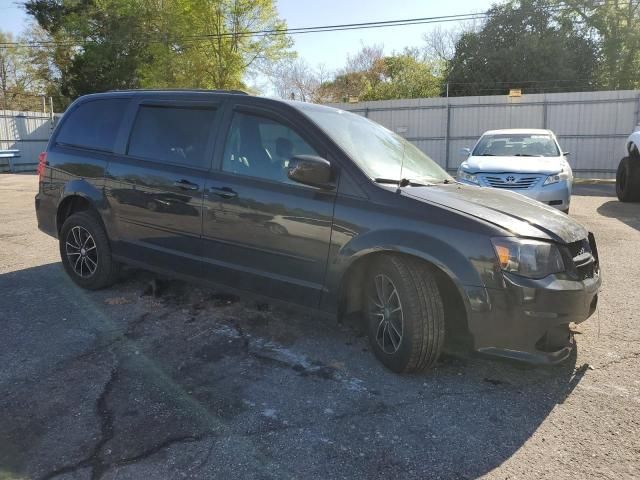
{"x": 400, "y": 182}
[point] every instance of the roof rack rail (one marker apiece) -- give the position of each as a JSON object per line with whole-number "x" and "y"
{"x": 235, "y": 92}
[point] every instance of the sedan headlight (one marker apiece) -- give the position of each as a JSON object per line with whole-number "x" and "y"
{"x": 468, "y": 177}
{"x": 558, "y": 177}
{"x": 529, "y": 258}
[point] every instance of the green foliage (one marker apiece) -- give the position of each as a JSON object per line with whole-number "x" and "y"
{"x": 18, "y": 77}
{"x": 615, "y": 26}
{"x": 97, "y": 45}
{"x": 404, "y": 75}
{"x": 520, "y": 45}
{"x": 116, "y": 44}
{"x": 221, "y": 59}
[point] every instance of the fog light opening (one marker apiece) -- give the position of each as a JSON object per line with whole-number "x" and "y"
{"x": 554, "y": 339}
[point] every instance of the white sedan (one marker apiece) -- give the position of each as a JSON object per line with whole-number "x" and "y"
{"x": 527, "y": 161}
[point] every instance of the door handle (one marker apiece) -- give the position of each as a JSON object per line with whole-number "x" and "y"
{"x": 224, "y": 192}
{"x": 185, "y": 185}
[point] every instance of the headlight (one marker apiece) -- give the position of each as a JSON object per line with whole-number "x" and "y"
{"x": 468, "y": 177}
{"x": 563, "y": 175}
{"x": 529, "y": 258}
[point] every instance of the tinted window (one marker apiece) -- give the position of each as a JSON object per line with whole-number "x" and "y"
{"x": 93, "y": 124}
{"x": 173, "y": 135}
{"x": 261, "y": 147}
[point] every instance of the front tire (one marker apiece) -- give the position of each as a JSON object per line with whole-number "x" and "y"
{"x": 628, "y": 180}
{"x": 404, "y": 312}
{"x": 86, "y": 253}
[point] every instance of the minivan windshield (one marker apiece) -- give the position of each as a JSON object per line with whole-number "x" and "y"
{"x": 376, "y": 150}
{"x": 517, "y": 145}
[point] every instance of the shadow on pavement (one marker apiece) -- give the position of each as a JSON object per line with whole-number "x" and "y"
{"x": 594, "y": 190}
{"x": 203, "y": 384}
{"x": 628, "y": 213}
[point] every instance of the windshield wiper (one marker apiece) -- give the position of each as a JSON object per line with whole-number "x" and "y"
{"x": 488, "y": 155}
{"x": 402, "y": 182}
{"x": 526, "y": 155}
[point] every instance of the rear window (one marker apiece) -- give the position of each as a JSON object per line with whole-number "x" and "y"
{"x": 93, "y": 124}
{"x": 172, "y": 134}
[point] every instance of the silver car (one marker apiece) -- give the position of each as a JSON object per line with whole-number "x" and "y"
{"x": 527, "y": 161}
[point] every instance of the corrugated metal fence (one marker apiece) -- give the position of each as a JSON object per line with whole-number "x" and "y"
{"x": 590, "y": 125}
{"x": 27, "y": 132}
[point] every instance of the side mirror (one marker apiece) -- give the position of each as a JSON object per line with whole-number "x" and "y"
{"x": 465, "y": 152}
{"x": 310, "y": 170}
{"x": 566, "y": 154}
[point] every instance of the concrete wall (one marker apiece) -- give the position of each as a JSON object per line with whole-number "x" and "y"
{"x": 590, "y": 125}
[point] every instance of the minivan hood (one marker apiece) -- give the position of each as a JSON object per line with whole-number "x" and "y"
{"x": 511, "y": 211}
{"x": 542, "y": 165}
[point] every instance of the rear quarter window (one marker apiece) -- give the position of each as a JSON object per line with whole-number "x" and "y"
{"x": 93, "y": 124}
{"x": 176, "y": 135}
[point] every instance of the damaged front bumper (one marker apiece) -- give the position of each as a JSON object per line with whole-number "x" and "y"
{"x": 529, "y": 319}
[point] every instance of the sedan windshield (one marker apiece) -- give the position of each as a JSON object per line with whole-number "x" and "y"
{"x": 377, "y": 151}
{"x": 517, "y": 145}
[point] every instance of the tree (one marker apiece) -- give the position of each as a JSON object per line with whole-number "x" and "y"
{"x": 360, "y": 74}
{"x": 117, "y": 44}
{"x": 222, "y": 50}
{"x": 98, "y": 45}
{"x": 615, "y": 26}
{"x": 406, "y": 75}
{"x": 522, "y": 45}
{"x": 42, "y": 60}
{"x": 295, "y": 79}
{"x": 370, "y": 75}
{"x": 17, "y": 82}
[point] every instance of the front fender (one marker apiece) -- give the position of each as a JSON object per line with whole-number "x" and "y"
{"x": 469, "y": 261}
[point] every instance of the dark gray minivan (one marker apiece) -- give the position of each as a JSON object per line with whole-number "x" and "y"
{"x": 317, "y": 206}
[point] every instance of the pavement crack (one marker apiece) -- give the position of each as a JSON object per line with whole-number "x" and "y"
{"x": 94, "y": 460}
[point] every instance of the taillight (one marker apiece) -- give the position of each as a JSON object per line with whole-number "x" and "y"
{"x": 42, "y": 163}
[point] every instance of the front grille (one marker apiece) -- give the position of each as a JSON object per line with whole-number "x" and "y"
{"x": 585, "y": 257}
{"x": 510, "y": 181}
{"x": 579, "y": 248}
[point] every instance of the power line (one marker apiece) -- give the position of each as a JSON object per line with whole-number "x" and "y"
{"x": 284, "y": 31}
{"x": 298, "y": 30}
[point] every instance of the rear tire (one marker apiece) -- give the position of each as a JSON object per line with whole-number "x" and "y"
{"x": 404, "y": 313}
{"x": 86, "y": 252}
{"x": 628, "y": 180}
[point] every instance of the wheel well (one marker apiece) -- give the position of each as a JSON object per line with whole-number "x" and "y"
{"x": 634, "y": 150}
{"x": 455, "y": 316}
{"x": 69, "y": 206}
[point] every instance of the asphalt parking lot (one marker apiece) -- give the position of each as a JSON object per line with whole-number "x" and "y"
{"x": 198, "y": 383}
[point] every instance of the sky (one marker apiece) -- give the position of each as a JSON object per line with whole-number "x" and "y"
{"x": 331, "y": 49}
